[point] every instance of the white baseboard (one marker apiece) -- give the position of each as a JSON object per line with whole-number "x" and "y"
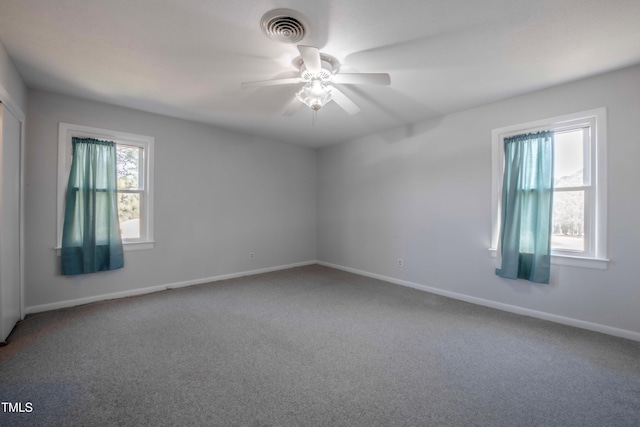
{"x": 148, "y": 290}
{"x": 623, "y": 333}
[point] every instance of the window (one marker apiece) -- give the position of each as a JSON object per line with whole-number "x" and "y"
{"x": 572, "y": 191}
{"x": 579, "y": 198}
{"x": 134, "y": 181}
{"x": 130, "y": 189}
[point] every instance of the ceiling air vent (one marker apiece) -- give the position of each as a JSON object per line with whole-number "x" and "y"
{"x": 283, "y": 25}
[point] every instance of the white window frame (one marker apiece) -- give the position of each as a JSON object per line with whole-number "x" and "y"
{"x": 66, "y": 132}
{"x": 595, "y": 254}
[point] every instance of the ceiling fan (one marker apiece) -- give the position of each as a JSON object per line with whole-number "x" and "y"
{"x": 320, "y": 72}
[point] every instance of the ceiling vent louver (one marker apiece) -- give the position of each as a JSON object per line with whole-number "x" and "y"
{"x": 283, "y": 25}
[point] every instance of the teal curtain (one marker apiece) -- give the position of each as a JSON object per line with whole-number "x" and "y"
{"x": 527, "y": 204}
{"x": 91, "y": 235}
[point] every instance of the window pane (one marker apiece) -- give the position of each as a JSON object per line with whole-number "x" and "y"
{"x": 569, "y": 159}
{"x": 129, "y": 215}
{"x": 128, "y": 158}
{"x": 568, "y": 220}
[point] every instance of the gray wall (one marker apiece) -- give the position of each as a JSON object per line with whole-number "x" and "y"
{"x": 11, "y": 84}
{"x": 423, "y": 193}
{"x": 218, "y": 196}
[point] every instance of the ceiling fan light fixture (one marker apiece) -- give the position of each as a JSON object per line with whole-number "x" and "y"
{"x": 315, "y": 94}
{"x": 318, "y": 73}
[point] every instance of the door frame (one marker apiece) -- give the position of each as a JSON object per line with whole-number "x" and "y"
{"x": 17, "y": 112}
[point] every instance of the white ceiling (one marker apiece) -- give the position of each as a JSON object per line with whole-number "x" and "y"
{"x": 187, "y": 58}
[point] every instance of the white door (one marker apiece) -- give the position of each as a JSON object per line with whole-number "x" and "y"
{"x": 10, "y": 298}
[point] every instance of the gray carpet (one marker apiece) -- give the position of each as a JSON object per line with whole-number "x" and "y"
{"x": 312, "y": 346}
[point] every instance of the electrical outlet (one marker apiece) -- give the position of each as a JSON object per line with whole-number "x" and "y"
{"x": 251, "y": 255}
{"x": 400, "y": 263}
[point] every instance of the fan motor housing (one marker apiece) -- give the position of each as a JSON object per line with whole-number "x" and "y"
{"x": 330, "y": 66}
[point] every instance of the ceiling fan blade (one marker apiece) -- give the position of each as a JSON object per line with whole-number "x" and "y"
{"x": 311, "y": 58}
{"x": 292, "y": 106}
{"x": 343, "y": 101}
{"x": 276, "y": 82}
{"x": 362, "y": 78}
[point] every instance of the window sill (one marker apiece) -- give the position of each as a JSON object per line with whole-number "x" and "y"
{"x": 127, "y": 246}
{"x": 571, "y": 261}
{"x": 138, "y": 246}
